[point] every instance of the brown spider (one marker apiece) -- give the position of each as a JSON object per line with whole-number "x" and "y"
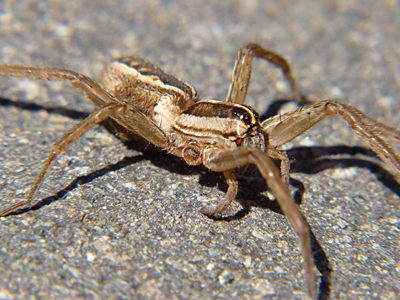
{"x": 223, "y": 136}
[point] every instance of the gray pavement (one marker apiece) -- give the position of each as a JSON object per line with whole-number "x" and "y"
{"x": 121, "y": 224}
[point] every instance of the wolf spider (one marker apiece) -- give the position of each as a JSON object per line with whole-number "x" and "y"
{"x": 222, "y": 136}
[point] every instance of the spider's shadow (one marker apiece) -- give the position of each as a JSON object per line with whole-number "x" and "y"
{"x": 70, "y": 113}
{"x": 310, "y": 160}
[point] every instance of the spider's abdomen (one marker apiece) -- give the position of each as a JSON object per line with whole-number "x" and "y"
{"x": 145, "y": 86}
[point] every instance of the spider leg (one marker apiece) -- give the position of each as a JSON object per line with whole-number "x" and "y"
{"x": 229, "y": 196}
{"x": 285, "y": 164}
{"x": 98, "y": 116}
{"x": 242, "y": 72}
{"x": 229, "y": 159}
{"x": 233, "y": 183}
{"x": 283, "y": 128}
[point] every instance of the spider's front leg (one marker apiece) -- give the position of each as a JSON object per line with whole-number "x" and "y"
{"x": 225, "y": 160}
{"x": 283, "y": 128}
{"x": 242, "y": 72}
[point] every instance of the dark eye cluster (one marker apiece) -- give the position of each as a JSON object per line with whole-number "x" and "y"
{"x": 241, "y": 114}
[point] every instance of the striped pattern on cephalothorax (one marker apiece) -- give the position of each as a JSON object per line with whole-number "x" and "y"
{"x": 217, "y": 120}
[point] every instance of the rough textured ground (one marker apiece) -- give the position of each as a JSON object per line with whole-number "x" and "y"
{"x": 127, "y": 225}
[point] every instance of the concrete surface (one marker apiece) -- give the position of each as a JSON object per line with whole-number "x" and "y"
{"x": 119, "y": 224}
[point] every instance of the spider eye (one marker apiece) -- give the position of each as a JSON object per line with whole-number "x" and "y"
{"x": 242, "y": 114}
